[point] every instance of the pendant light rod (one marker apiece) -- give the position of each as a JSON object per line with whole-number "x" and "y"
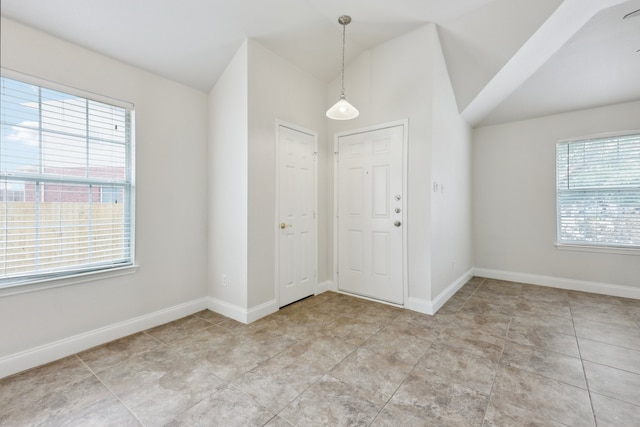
{"x": 344, "y": 20}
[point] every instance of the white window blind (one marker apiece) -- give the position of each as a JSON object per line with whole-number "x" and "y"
{"x": 598, "y": 191}
{"x": 66, "y": 184}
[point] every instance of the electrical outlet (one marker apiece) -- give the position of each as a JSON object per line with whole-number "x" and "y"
{"x": 224, "y": 280}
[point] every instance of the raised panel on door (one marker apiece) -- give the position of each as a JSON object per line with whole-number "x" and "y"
{"x": 289, "y": 250}
{"x": 370, "y": 192}
{"x": 380, "y": 256}
{"x": 380, "y": 196}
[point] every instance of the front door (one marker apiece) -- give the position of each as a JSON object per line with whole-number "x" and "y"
{"x": 296, "y": 214}
{"x": 370, "y": 203}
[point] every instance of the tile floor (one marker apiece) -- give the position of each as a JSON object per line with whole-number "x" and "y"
{"x": 497, "y": 354}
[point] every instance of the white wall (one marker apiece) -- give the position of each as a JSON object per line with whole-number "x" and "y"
{"x": 451, "y": 234}
{"x": 228, "y": 183}
{"x": 171, "y": 207}
{"x": 257, "y": 88}
{"x": 514, "y": 208}
{"x": 277, "y": 90}
{"x": 389, "y": 83}
{"x": 406, "y": 78}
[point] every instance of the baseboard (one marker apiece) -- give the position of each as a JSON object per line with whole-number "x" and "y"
{"x": 324, "y": 287}
{"x": 450, "y": 291}
{"x": 229, "y": 310}
{"x": 432, "y": 307}
{"x": 560, "y": 282}
{"x": 420, "y": 305}
{"x": 262, "y": 310}
{"x": 241, "y": 314}
{"x": 40, "y": 355}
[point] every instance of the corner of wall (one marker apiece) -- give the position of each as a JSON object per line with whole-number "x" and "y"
{"x": 228, "y": 182}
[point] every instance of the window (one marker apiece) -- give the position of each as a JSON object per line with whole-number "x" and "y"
{"x": 66, "y": 182}
{"x": 598, "y": 191}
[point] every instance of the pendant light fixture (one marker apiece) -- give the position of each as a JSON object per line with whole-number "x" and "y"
{"x": 342, "y": 110}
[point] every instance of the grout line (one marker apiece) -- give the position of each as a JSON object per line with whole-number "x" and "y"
{"x": 584, "y": 372}
{"x": 403, "y": 381}
{"x": 616, "y": 399}
{"x": 499, "y": 367}
{"x": 280, "y": 417}
{"x": 205, "y": 396}
{"x": 208, "y": 320}
{"x": 322, "y": 374}
{"x": 111, "y": 391}
{"x": 328, "y": 370}
{"x": 152, "y": 337}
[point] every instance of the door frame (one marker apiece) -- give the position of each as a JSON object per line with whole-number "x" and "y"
{"x": 405, "y": 139}
{"x": 281, "y": 123}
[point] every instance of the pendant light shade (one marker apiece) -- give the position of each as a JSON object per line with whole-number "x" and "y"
{"x": 343, "y": 110}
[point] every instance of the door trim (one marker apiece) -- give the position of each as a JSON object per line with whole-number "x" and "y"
{"x": 281, "y": 123}
{"x": 405, "y": 138}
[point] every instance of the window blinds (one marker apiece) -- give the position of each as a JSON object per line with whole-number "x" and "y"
{"x": 598, "y": 191}
{"x": 65, "y": 184}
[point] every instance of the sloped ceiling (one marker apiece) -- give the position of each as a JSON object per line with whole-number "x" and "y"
{"x": 599, "y": 65}
{"x": 508, "y": 59}
{"x": 478, "y": 44}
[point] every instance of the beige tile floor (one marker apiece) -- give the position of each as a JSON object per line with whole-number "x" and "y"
{"x": 497, "y": 354}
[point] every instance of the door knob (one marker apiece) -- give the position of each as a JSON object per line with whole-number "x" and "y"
{"x": 397, "y": 223}
{"x": 283, "y": 225}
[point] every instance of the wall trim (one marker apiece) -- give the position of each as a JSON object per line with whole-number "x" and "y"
{"x": 332, "y": 285}
{"x": 50, "y": 352}
{"x": 241, "y": 314}
{"x": 227, "y": 309}
{"x": 262, "y": 310}
{"x": 450, "y": 291}
{"x": 420, "y": 305}
{"x": 325, "y": 286}
{"x": 431, "y": 307}
{"x": 560, "y": 282}
{"x": 75, "y": 279}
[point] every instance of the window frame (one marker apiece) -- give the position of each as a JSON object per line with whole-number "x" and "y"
{"x": 33, "y": 282}
{"x": 585, "y": 246}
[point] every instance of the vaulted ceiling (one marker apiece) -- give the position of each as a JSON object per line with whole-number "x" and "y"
{"x": 508, "y": 59}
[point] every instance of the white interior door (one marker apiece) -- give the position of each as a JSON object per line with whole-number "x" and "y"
{"x": 297, "y": 240}
{"x": 370, "y": 214}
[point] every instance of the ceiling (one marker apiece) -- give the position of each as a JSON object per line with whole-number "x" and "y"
{"x": 508, "y": 59}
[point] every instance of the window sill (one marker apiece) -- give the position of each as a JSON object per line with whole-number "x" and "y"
{"x": 599, "y": 249}
{"x": 75, "y": 279}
